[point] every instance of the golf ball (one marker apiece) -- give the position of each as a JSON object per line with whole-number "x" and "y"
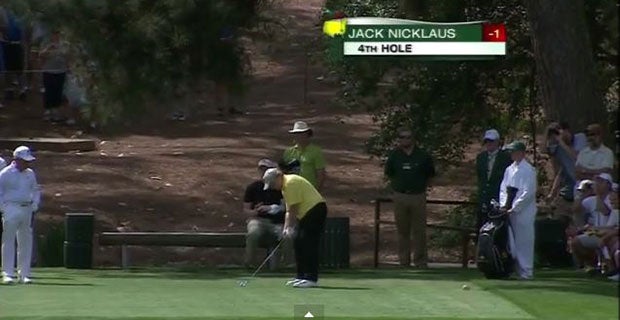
{"x": 465, "y": 287}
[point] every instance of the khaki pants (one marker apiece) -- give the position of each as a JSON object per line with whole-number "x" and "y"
{"x": 263, "y": 231}
{"x": 410, "y": 217}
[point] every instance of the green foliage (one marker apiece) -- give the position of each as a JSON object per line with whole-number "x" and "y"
{"x": 50, "y": 247}
{"x": 141, "y": 48}
{"x": 444, "y": 102}
{"x": 459, "y": 216}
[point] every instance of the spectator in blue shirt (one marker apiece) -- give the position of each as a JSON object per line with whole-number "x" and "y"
{"x": 563, "y": 146}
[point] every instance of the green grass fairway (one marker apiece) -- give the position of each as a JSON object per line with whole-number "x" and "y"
{"x": 433, "y": 294}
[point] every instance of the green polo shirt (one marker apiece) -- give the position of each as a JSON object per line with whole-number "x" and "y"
{"x": 310, "y": 158}
{"x": 409, "y": 173}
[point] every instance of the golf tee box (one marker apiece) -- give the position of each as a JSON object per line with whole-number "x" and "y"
{"x": 367, "y": 36}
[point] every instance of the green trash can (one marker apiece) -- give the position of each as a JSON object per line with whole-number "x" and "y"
{"x": 335, "y": 244}
{"x": 551, "y": 243}
{"x": 78, "y": 255}
{"x": 78, "y": 245}
{"x": 79, "y": 227}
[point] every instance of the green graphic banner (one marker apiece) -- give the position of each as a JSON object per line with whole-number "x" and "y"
{"x": 417, "y": 33}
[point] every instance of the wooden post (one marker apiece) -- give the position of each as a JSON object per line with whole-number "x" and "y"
{"x": 125, "y": 257}
{"x": 465, "y": 249}
{"x": 377, "y": 222}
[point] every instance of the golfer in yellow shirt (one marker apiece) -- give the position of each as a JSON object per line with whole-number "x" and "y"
{"x": 306, "y": 212}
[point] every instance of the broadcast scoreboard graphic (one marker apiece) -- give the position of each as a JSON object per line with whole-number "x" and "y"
{"x": 365, "y": 36}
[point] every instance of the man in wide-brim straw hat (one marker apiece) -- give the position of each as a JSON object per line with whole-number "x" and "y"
{"x": 305, "y": 157}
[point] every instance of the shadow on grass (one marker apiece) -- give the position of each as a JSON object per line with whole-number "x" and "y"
{"x": 561, "y": 281}
{"x": 50, "y": 278}
{"x": 206, "y": 274}
{"x": 342, "y": 288}
{"x": 549, "y": 280}
{"x": 57, "y": 284}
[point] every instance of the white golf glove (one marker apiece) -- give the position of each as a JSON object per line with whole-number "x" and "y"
{"x": 288, "y": 232}
{"x": 274, "y": 209}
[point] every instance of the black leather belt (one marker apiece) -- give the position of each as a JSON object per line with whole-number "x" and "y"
{"x": 22, "y": 204}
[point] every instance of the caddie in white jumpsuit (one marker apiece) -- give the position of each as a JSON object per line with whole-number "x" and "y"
{"x": 521, "y": 175}
{"x": 20, "y": 196}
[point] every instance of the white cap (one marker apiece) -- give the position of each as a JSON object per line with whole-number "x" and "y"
{"x": 491, "y": 134}
{"x": 606, "y": 176}
{"x": 267, "y": 163}
{"x": 23, "y": 153}
{"x": 584, "y": 183}
{"x": 270, "y": 176}
{"x": 299, "y": 127}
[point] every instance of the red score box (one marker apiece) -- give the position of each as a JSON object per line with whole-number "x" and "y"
{"x": 494, "y": 32}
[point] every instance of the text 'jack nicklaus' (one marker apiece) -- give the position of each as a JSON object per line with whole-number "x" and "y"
{"x": 398, "y": 33}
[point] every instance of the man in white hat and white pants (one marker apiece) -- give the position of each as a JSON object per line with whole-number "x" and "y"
{"x": 522, "y": 213}
{"x": 20, "y": 196}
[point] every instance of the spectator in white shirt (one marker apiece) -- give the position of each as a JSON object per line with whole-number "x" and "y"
{"x": 20, "y": 196}
{"x": 596, "y": 158}
{"x": 585, "y": 246}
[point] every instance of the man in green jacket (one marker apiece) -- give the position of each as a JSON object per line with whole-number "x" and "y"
{"x": 490, "y": 166}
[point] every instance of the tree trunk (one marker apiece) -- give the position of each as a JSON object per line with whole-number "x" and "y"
{"x": 565, "y": 63}
{"x": 413, "y": 9}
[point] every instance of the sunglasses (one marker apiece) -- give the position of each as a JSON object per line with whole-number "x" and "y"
{"x": 591, "y": 134}
{"x": 404, "y": 136}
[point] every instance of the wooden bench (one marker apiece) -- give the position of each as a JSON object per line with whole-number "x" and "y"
{"x": 176, "y": 239}
{"x": 467, "y": 234}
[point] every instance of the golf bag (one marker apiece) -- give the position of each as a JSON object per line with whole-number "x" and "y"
{"x": 493, "y": 256}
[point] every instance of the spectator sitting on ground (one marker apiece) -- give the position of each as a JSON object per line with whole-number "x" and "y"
{"x": 610, "y": 237}
{"x": 585, "y": 245}
{"x": 596, "y": 158}
{"x": 266, "y": 209}
{"x": 585, "y": 189}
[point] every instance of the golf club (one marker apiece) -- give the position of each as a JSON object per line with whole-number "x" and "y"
{"x": 243, "y": 283}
